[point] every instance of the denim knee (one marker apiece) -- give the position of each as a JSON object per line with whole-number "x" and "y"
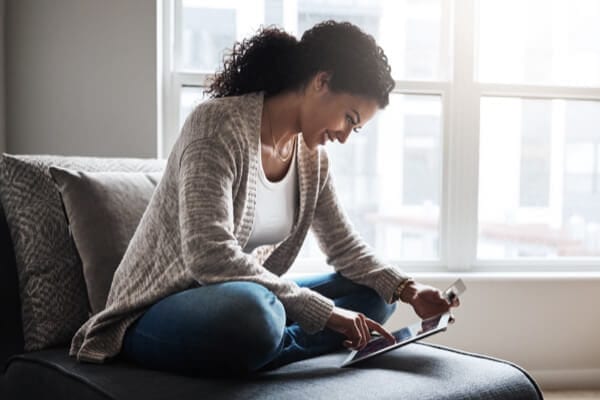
{"x": 388, "y": 311}
{"x": 260, "y": 318}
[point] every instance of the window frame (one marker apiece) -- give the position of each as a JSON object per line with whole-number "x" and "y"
{"x": 460, "y": 100}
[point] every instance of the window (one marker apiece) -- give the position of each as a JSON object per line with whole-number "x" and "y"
{"x": 543, "y": 202}
{"x": 539, "y": 130}
{"x": 487, "y": 157}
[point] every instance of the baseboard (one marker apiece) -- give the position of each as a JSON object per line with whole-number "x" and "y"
{"x": 567, "y": 379}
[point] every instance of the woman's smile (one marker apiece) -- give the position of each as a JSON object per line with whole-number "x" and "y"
{"x": 326, "y": 136}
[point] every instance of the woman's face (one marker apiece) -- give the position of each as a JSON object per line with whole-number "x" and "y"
{"x": 327, "y": 116}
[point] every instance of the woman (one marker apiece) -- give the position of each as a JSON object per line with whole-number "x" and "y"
{"x": 249, "y": 176}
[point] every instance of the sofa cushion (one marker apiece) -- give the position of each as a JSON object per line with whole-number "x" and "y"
{"x": 103, "y": 210}
{"x": 416, "y": 371}
{"x": 52, "y": 289}
{"x": 11, "y": 333}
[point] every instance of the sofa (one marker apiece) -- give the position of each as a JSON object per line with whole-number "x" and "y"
{"x": 47, "y": 279}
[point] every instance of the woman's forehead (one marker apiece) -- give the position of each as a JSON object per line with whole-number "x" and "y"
{"x": 354, "y": 100}
{"x": 364, "y": 106}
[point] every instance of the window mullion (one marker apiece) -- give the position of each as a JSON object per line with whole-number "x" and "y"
{"x": 196, "y": 79}
{"x": 170, "y": 91}
{"x": 462, "y": 147}
{"x": 177, "y": 21}
{"x": 445, "y": 56}
{"x": 421, "y": 87}
{"x": 164, "y": 70}
{"x": 161, "y": 50}
{"x": 172, "y": 112}
{"x": 539, "y": 91}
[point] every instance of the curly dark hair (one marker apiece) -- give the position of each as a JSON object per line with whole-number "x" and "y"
{"x": 274, "y": 61}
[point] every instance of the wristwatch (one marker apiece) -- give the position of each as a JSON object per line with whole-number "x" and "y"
{"x": 400, "y": 288}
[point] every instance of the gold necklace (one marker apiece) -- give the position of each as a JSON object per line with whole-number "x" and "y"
{"x": 275, "y": 143}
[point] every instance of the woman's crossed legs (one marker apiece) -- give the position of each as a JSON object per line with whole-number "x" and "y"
{"x": 239, "y": 327}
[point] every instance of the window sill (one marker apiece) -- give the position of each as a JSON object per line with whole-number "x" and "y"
{"x": 501, "y": 271}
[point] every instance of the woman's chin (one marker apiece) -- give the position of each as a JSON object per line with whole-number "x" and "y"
{"x": 314, "y": 145}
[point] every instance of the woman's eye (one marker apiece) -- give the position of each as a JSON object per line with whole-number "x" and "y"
{"x": 351, "y": 123}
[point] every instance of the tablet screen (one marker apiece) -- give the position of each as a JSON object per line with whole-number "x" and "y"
{"x": 403, "y": 336}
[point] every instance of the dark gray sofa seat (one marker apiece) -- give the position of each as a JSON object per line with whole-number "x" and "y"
{"x": 417, "y": 371}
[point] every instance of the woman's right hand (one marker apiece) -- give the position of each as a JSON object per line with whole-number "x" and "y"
{"x": 356, "y": 327}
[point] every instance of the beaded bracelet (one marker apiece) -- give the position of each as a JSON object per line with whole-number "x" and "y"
{"x": 400, "y": 288}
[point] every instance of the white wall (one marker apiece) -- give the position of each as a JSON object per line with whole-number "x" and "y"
{"x": 549, "y": 325}
{"x": 81, "y": 77}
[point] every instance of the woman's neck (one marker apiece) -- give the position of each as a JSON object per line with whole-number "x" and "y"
{"x": 282, "y": 113}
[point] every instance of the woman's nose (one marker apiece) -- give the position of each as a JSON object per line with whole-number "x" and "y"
{"x": 343, "y": 135}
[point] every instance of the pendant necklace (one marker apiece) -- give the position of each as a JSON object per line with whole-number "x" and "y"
{"x": 275, "y": 150}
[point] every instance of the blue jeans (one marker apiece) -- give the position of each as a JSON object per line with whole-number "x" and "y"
{"x": 236, "y": 328}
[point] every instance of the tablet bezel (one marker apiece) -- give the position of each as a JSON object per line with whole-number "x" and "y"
{"x": 441, "y": 326}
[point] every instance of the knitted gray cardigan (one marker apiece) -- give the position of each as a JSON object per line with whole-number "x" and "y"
{"x": 200, "y": 218}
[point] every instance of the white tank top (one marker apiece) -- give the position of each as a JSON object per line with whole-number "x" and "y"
{"x": 276, "y": 203}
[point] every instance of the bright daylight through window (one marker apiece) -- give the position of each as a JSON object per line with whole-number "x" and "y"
{"x": 529, "y": 81}
{"x": 539, "y": 181}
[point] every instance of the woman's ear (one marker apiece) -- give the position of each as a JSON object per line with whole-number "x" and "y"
{"x": 321, "y": 80}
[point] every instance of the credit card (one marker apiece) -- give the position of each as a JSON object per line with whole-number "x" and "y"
{"x": 455, "y": 290}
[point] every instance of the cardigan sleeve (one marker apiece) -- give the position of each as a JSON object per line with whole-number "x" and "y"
{"x": 211, "y": 252}
{"x": 346, "y": 251}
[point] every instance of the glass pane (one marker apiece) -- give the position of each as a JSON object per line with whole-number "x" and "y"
{"x": 204, "y": 34}
{"x": 540, "y": 42}
{"x": 388, "y": 179}
{"x": 410, "y": 31}
{"x": 190, "y": 97}
{"x": 209, "y": 27}
{"x": 539, "y": 182}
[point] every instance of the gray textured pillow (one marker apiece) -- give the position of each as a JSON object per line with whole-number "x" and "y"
{"x": 51, "y": 285}
{"x": 103, "y": 210}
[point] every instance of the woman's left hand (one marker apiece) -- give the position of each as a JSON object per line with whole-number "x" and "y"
{"x": 426, "y": 300}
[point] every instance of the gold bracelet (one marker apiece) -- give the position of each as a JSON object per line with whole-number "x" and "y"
{"x": 401, "y": 287}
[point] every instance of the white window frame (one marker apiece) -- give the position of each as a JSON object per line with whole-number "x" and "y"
{"x": 460, "y": 98}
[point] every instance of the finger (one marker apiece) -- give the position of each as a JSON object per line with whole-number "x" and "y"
{"x": 366, "y": 332}
{"x": 359, "y": 340}
{"x": 357, "y": 334}
{"x": 378, "y": 328}
{"x": 456, "y": 302}
{"x": 447, "y": 300}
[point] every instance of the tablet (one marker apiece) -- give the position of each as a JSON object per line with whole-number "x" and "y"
{"x": 404, "y": 336}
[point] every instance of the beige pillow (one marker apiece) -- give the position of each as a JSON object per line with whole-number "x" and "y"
{"x": 103, "y": 210}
